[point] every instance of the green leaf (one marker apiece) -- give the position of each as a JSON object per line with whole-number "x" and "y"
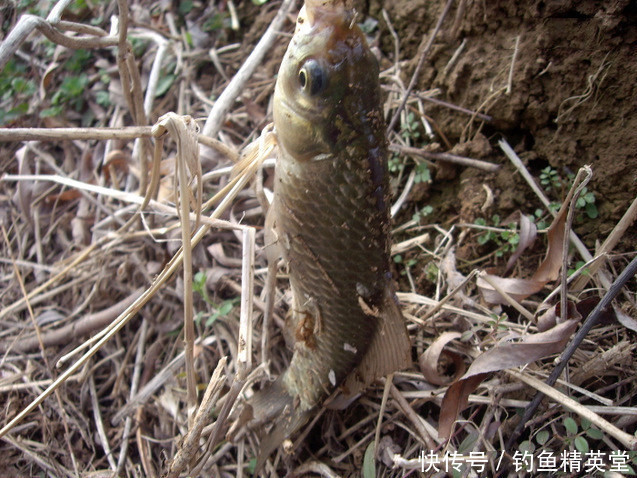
{"x": 570, "y": 425}
{"x": 103, "y": 98}
{"x": 74, "y": 86}
{"x": 466, "y": 335}
{"x": 527, "y": 446}
{"x": 369, "y": 464}
{"x": 164, "y": 84}
{"x": 468, "y": 443}
{"x": 252, "y": 465}
{"x": 581, "y": 445}
{"x": 50, "y": 112}
{"x": 542, "y": 437}
{"x": 185, "y": 6}
{"x": 594, "y": 433}
{"x": 226, "y": 307}
{"x": 591, "y": 211}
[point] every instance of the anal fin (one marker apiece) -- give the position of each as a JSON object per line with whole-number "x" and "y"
{"x": 389, "y": 351}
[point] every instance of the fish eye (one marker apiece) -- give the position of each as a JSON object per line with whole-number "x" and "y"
{"x": 312, "y": 77}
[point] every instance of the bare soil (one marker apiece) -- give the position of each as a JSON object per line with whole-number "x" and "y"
{"x": 572, "y": 98}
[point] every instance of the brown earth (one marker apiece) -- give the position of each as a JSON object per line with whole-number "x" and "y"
{"x": 572, "y": 100}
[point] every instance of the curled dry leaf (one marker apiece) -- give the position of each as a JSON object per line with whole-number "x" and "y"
{"x": 552, "y": 316}
{"x": 625, "y": 319}
{"x": 503, "y": 356}
{"x": 429, "y": 360}
{"x": 528, "y": 233}
{"x": 547, "y": 271}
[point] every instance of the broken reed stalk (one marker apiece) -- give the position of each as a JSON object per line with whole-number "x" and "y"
{"x": 581, "y": 180}
{"x": 592, "y": 319}
{"x": 226, "y": 195}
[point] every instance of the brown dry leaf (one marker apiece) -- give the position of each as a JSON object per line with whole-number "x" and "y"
{"x": 547, "y": 271}
{"x": 503, "y": 356}
{"x": 551, "y": 316}
{"x": 625, "y": 319}
{"x": 455, "y": 400}
{"x": 528, "y": 233}
{"x": 429, "y": 360}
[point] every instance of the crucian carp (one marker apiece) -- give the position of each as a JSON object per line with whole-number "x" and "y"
{"x": 331, "y": 221}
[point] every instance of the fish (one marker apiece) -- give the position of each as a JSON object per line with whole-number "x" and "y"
{"x": 331, "y": 222}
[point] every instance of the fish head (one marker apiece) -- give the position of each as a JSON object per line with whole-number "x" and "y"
{"x": 327, "y": 82}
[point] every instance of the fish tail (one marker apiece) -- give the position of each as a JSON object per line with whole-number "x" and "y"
{"x": 274, "y": 403}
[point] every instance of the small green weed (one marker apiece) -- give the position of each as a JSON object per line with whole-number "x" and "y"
{"x": 408, "y": 264}
{"x": 551, "y": 180}
{"x": 506, "y": 240}
{"x": 218, "y": 310}
{"x": 423, "y": 175}
{"x": 16, "y": 90}
{"x": 71, "y": 93}
{"x": 423, "y": 212}
{"x": 410, "y": 128}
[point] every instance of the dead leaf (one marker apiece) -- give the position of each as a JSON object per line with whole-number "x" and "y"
{"x": 455, "y": 400}
{"x": 552, "y": 316}
{"x": 625, "y": 319}
{"x": 429, "y": 360}
{"x": 503, "y": 356}
{"x": 547, "y": 271}
{"x": 527, "y": 234}
{"x": 518, "y": 289}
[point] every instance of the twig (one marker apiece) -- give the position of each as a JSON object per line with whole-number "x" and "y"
{"x": 137, "y": 372}
{"x": 578, "y": 184}
{"x": 403, "y": 196}
{"x": 590, "y": 322}
{"x": 99, "y": 423}
{"x": 226, "y": 99}
{"x": 448, "y": 157}
{"x": 454, "y": 58}
{"x": 244, "y": 352}
{"x": 609, "y": 244}
{"x": 413, "y": 417}
{"x": 515, "y": 55}
{"x": 514, "y": 303}
{"x": 59, "y": 134}
{"x": 76, "y": 329}
{"x": 624, "y": 438}
{"x": 191, "y": 440}
{"x": 421, "y": 62}
{"x": 28, "y": 23}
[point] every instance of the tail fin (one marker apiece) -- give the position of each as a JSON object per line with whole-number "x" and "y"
{"x": 274, "y": 403}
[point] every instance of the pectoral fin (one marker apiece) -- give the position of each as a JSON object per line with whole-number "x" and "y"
{"x": 389, "y": 351}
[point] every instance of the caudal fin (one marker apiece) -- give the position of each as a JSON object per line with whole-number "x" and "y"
{"x": 275, "y": 405}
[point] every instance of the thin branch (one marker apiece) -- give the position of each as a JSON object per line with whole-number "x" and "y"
{"x": 592, "y": 319}
{"x": 226, "y": 99}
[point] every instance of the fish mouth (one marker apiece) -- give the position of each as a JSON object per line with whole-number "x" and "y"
{"x": 327, "y": 10}
{"x": 298, "y": 112}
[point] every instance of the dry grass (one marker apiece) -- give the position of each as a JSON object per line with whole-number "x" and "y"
{"x": 99, "y": 376}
